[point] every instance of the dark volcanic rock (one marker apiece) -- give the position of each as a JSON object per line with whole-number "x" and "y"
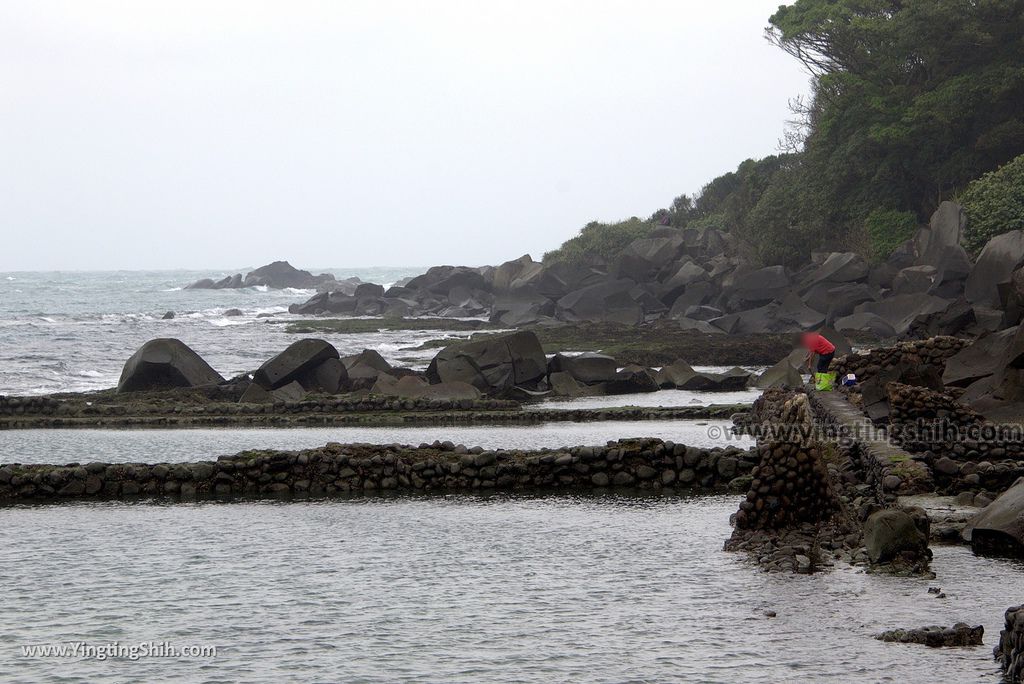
{"x": 281, "y": 274}
{"x": 900, "y": 311}
{"x": 492, "y": 365}
{"x": 367, "y": 365}
{"x": 588, "y": 368}
{"x": 277, "y": 275}
{"x": 960, "y": 634}
{"x": 1001, "y": 256}
{"x": 166, "y": 363}
{"x": 633, "y": 379}
{"x": 999, "y": 527}
{"x": 891, "y": 535}
{"x": 978, "y": 360}
{"x": 300, "y": 358}
{"x": 609, "y": 301}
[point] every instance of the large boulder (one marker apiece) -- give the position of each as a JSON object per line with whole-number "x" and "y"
{"x": 366, "y": 366}
{"x": 565, "y": 385}
{"x": 793, "y": 313}
{"x": 865, "y": 322}
{"x": 999, "y": 527}
{"x": 841, "y": 300}
{"x": 944, "y": 230}
{"x": 914, "y": 279}
{"x": 281, "y": 274}
{"x": 900, "y": 311}
{"x": 839, "y": 267}
{"x": 414, "y": 387}
{"x": 1001, "y": 256}
{"x": 686, "y": 275}
{"x": 633, "y": 379}
{"x": 759, "y": 320}
{"x": 440, "y": 280}
{"x": 786, "y": 373}
{"x": 589, "y": 368}
{"x": 300, "y": 359}
{"x": 681, "y": 375}
{"x": 676, "y": 374}
{"x": 507, "y": 272}
{"x": 610, "y": 301}
{"x": 493, "y": 365}
{"x": 980, "y": 359}
{"x": 165, "y": 363}
{"x": 759, "y": 286}
{"x": 643, "y": 258}
{"x": 891, "y": 535}
{"x": 519, "y": 309}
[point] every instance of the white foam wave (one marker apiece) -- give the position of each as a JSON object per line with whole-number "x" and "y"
{"x": 272, "y": 310}
{"x": 298, "y": 291}
{"x": 11, "y": 278}
{"x": 225, "y": 322}
{"x": 172, "y": 289}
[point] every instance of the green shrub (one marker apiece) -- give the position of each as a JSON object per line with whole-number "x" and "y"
{"x": 994, "y": 204}
{"x": 601, "y": 239}
{"x": 887, "y": 229}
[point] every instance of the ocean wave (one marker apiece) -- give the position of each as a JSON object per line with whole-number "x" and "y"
{"x": 172, "y": 289}
{"x": 260, "y": 288}
{"x": 225, "y": 322}
{"x": 88, "y": 374}
{"x": 11, "y": 278}
{"x": 298, "y": 291}
{"x": 272, "y": 310}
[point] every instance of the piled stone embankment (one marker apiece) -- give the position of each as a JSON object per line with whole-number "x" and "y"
{"x": 339, "y": 469}
{"x": 797, "y": 515}
{"x": 1010, "y": 649}
{"x": 926, "y": 355}
{"x": 47, "y": 412}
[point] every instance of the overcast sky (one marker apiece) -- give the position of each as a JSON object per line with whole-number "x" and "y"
{"x": 214, "y": 134}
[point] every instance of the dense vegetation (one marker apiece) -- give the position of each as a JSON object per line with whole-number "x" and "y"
{"x": 911, "y": 101}
{"x": 604, "y": 240}
{"x": 995, "y": 204}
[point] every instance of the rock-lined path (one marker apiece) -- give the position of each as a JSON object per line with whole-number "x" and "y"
{"x": 889, "y": 467}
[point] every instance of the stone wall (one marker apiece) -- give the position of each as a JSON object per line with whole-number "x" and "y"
{"x": 1010, "y": 649}
{"x": 890, "y": 471}
{"x": 329, "y": 411}
{"x": 647, "y": 464}
{"x": 178, "y": 403}
{"x": 923, "y": 354}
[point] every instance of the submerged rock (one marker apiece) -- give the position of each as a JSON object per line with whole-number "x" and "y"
{"x": 960, "y": 634}
{"x": 893, "y": 535}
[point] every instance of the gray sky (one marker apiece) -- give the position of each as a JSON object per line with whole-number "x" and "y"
{"x": 207, "y": 134}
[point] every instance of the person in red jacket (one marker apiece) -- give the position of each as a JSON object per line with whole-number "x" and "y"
{"x": 815, "y": 343}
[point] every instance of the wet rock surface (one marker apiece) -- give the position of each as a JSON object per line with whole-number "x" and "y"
{"x": 1010, "y": 649}
{"x": 960, "y": 634}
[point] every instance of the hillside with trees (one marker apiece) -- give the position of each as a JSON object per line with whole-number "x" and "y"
{"x": 911, "y": 102}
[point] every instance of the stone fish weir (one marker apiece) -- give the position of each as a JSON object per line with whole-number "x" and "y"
{"x": 340, "y": 469}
